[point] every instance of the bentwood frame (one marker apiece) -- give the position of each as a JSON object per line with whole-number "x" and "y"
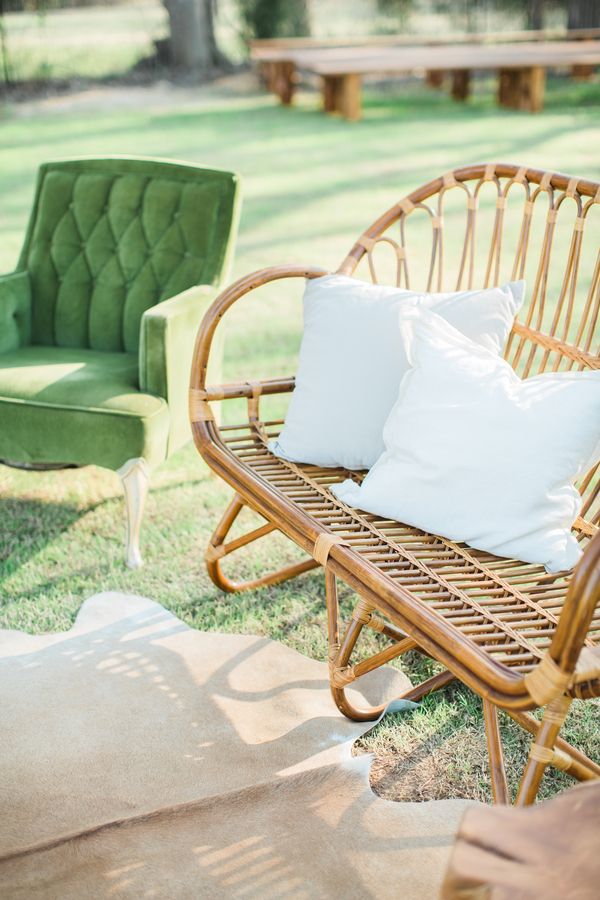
{"x": 518, "y": 637}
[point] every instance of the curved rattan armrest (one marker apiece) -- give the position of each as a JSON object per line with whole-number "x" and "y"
{"x": 198, "y": 389}
{"x": 580, "y": 605}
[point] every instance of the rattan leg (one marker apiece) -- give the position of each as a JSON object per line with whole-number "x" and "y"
{"x": 495, "y": 753}
{"x": 342, "y": 674}
{"x": 582, "y": 767}
{"x": 217, "y": 549}
{"x": 542, "y": 752}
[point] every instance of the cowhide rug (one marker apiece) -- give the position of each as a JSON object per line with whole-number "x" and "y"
{"x": 141, "y": 758}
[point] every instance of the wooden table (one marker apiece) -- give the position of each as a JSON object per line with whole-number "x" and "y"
{"x": 274, "y": 48}
{"x": 521, "y": 66}
{"x": 550, "y": 851}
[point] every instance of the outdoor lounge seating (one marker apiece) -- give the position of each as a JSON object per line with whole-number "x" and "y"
{"x": 520, "y": 638}
{"x": 121, "y": 259}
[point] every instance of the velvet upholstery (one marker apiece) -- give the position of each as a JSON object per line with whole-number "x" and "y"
{"x": 78, "y": 406}
{"x": 121, "y": 258}
{"x": 165, "y": 356}
{"x": 15, "y": 311}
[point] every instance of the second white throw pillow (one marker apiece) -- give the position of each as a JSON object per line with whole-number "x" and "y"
{"x": 478, "y": 455}
{"x": 352, "y": 362}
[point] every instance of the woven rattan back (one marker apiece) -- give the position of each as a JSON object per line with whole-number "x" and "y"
{"x": 487, "y": 224}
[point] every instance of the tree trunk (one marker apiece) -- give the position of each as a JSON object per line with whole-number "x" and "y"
{"x": 584, "y": 14}
{"x": 192, "y": 37}
{"x": 535, "y": 15}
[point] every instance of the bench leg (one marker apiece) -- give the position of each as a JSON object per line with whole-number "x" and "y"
{"x": 495, "y": 753}
{"x": 522, "y": 88}
{"x": 342, "y": 94}
{"x": 543, "y": 752}
{"x": 350, "y": 97}
{"x": 217, "y": 549}
{"x": 583, "y": 72}
{"x": 434, "y": 78}
{"x": 283, "y": 81}
{"x": 330, "y": 90}
{"x": 342, "y": 674}
{"x": 461, "y": 84}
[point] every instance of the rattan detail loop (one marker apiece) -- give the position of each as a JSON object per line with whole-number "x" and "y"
{"x": 213, "y": 553}
{"x": 449, "y": 180}
{"x": 520, "y": 175}
{"x": 200, "y": 410}
{"x": 547, "y": 681}
{"x": 342, "y": 676}
{"x": 367, "y": 242}
{"x": 488, "y": 174}
{"x": 546, "y": 181}
{"x": 561, "y": 760}
{"x": 554, "y": 757}
{"x": 557, "y": 709}
{"x": 541, "y": 754}
{"x": 588, "y": 664}
{"x": 405, "y": 205}
{"x": 362, "y": 612}
{"x": 323, "y": 545}
{"x": 256, "y": 388}
{"x": 572, "y": 187}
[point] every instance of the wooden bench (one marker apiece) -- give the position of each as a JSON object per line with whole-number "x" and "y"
{"x": 518, "y": 637}
{"x": 521, "y": 68}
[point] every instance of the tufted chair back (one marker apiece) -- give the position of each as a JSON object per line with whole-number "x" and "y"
{"x": 109, "y": 238}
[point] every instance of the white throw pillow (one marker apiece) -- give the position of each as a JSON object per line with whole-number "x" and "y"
{"x": 478, "y": 455}
{"x": 352, "y": 361}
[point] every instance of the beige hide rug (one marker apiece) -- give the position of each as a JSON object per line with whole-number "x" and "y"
{"x": 141, "y": 758}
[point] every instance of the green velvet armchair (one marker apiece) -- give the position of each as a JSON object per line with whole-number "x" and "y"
{"x": 121, "y": 258}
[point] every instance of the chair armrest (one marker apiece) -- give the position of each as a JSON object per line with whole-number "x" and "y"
{"x": 582, "y": 600}
{"x": 167, "y": 335}
{"x": 568, "y": 663}
{"x": 15, "y": 311}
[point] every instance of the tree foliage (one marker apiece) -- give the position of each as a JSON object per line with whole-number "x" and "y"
{"x": 274, "y": 18}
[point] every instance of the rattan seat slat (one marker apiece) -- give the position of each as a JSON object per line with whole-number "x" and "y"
{"x": 431, "y": 579}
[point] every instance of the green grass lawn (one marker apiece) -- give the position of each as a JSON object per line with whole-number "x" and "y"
{"x": 311, "y": 185}
{"x": 90, "y": 42}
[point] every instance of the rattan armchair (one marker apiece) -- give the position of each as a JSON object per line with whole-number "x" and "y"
{"x": 518, "y": 637}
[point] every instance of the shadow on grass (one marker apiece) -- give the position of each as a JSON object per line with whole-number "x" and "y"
{"x": 28, "y": 525}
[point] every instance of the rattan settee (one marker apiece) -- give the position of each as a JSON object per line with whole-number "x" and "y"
{"x": 520, "y": 638}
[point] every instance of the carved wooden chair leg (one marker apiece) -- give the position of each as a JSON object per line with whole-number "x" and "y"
{"x": 217, "y": 549}
{"x": 135, "y": 478}
{"x": 495, "y": 753}
{"x": 341, "y": 674}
